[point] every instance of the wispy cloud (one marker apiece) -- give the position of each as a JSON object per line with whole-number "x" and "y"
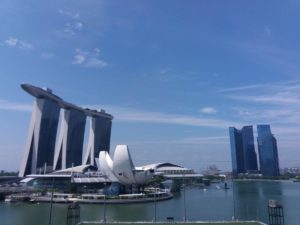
{"x": 241, "y": 88}
{"x": 287, "y": 92}
{"x": 215, "y": 140}
{"x": 204, "y": 140}
{"x": 14, "y": 42}
{"x": 277, "y": 103}
{"x": 68, "y": 13}
{"x": 281, "y": 98}
{"x": 14, "y": 106}
{"x": 89, "y": 59}
{"x": 271, "y": 56}
{"x": 208, "y": 110}
{"x": 275, "y": 115}
{"x": 72, "y": 28}
{"x": 73, "y": 25}
{"x": 132, "y": 115}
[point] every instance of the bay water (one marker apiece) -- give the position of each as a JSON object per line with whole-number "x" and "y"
{"x": 244, "y": 200}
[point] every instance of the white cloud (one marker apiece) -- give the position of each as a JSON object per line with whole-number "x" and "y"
{"x": 13, "y": 106}
{"x": 16, "y": 43}
{"x": 72, "y": 28}
{"x": 89, "y": 59}
{"x": 78, "y": 26}
{"x": 96, "y": 63}
{"x": 79, "y": 57}
{"x": 70, "y": 14}
{"x": 11, "y": 42}
{"x": 73, "y": 25}
{"x": 208, "y": 110}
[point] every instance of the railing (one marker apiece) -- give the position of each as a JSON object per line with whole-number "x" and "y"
{"x": 167, "y": 222}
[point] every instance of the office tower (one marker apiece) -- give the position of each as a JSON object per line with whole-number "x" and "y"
{"x": 68, "y": 151}
{"x": 268, "y": 152}
{"x": 99, "y": 138}
{"x": 40, "y": 144}
{"x": 243, "y": 156}
{"x": 249, "y": 153}
{"x": 236, "y": 146}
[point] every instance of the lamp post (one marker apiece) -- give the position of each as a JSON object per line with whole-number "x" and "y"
{"x": 104, "y": 207}
{"x": 154, "y": 203}
{"x": 184, "y": 203}
{"x": 51, "y": 203}
{"x": 233, "y": 196}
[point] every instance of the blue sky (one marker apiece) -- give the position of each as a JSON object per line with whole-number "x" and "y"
{"x": 175, "y": 74}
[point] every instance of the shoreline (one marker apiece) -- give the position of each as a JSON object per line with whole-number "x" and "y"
{"x": 264, "y": 180}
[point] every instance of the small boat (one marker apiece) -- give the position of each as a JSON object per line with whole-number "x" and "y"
{"x": 9, "y": 199}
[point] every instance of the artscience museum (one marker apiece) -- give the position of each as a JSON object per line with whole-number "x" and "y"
{"x": 121, "y": 169}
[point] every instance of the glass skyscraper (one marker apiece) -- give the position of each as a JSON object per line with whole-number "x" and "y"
{"x": 243, "y": 156}
{"x": 268, "y": 152}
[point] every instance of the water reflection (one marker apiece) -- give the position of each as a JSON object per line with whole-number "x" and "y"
{"x": 250, "y": 202}
{"x": 251, "y": 198}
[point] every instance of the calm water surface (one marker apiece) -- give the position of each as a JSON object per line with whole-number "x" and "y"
{"x": 246, "y": 200}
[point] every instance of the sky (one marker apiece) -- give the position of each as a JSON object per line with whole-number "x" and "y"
{"x": 174, "y": 74}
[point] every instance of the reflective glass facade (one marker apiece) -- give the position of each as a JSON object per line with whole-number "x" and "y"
{"x": 102, "y": 135}
{"x": 75, "y": 136}
{"x": 243, "y": 156}
{"x": 268, "y": 152}
{"x": 40, "y": 144}
{"x": 99, "y": 139}
{"x": 250, "y": 159}
{"x": 47, "y": 135}
{"x": 237, "y": 159}
{"x": 70, "y": 142}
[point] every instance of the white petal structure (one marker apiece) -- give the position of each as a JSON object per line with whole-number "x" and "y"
{"x": 106, "y": 166}
{"x": 122, "y": 168}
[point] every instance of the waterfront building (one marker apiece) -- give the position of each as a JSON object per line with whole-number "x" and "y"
{"x": 99, "y": 138}
{"x": 121, "y": 169}
{"x": 243, "y": 155}
{"x": 268, "y": 152}
{"x": 40, "y": 143}
{"x": 40, "y": 154}
{"x": 68, "y": 151}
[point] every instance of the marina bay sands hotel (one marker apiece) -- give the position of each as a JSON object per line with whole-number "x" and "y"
{"x": 45, "y": 150}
